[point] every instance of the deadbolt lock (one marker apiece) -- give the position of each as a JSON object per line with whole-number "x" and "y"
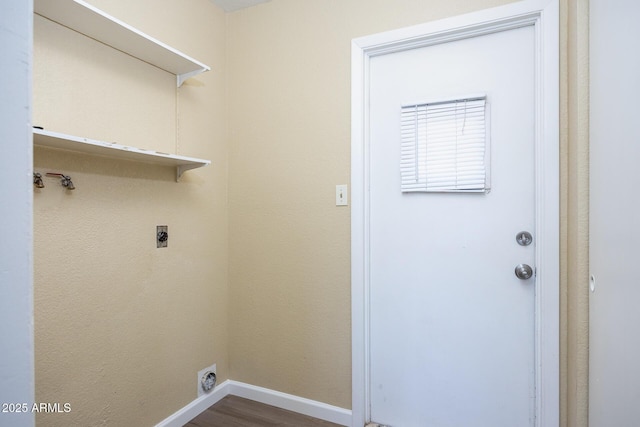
{"x": 524, "y": 238}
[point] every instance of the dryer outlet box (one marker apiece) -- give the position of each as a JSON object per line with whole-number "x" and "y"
{"x": 201, "y": 374}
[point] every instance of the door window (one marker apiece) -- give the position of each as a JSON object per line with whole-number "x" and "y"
{"x": 444, "y": 146}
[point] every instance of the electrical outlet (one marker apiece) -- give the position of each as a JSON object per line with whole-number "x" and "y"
{"x": 206, "y": 380}
{"x": 162, "y": 236}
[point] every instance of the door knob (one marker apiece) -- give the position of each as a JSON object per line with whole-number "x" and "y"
{"x": 523, "y": 271}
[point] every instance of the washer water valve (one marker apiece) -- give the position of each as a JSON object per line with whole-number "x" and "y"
{"x": 65, "y": 180}
{"x": 37, "y": 180}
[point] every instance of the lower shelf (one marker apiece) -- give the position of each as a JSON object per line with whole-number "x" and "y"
{"x": 61, "y": 141}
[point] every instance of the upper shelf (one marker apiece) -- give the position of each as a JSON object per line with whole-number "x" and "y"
{"x": 49, "y": 139}
{"x": 92, "y": 22}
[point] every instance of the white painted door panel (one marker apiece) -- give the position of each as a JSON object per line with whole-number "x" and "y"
{"x": 451, "y": 327}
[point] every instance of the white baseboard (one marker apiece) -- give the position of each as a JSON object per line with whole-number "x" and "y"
{"x": 278, "y": 399}
{"x": 195, "y": 408}
{"x": 293, "y": 403}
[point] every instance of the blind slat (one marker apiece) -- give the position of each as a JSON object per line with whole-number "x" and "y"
{"x": 443, "y": 146}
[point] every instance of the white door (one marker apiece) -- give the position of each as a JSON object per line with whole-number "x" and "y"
{"x": 452, "y": 329}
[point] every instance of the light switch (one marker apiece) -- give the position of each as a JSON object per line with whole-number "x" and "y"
{"x": 341, "y": 195}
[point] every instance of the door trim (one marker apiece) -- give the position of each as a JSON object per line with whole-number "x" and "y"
{"x": 544, "y": 16}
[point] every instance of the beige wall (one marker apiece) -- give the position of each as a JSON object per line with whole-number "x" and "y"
{"x": 289, "y": 105}
{"x": 122, "y": 328}
{"x": 289, "y": 100}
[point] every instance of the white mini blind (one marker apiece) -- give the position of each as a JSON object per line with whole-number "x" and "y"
{"x": 444, "y": 146}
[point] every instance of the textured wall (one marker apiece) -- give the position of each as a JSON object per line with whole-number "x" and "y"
{"x": 121, "y": 328}
{"x": 289, "y": 100}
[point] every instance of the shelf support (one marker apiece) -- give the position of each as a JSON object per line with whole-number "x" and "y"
{"x": 180, "y": 169}
{"x": 184, "y": 76}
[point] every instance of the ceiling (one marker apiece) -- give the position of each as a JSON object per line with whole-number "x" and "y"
{"x": 233, "y": 5}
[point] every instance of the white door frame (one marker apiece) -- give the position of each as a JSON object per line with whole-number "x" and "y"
{"x": 16, "y": 254}
{"x": 544, "y": 16}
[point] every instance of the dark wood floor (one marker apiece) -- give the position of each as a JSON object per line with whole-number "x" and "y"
{"x": 234, "y": 411}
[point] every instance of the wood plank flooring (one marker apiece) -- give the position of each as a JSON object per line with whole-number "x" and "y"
{"x": 234, "y": 411}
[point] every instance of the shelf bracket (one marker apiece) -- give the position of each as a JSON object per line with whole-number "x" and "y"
{"x": 184, "y": 76}
{"x": 180, "y": 169}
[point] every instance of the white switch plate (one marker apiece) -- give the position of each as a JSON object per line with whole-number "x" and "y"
{"x": 342, "y": 198}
